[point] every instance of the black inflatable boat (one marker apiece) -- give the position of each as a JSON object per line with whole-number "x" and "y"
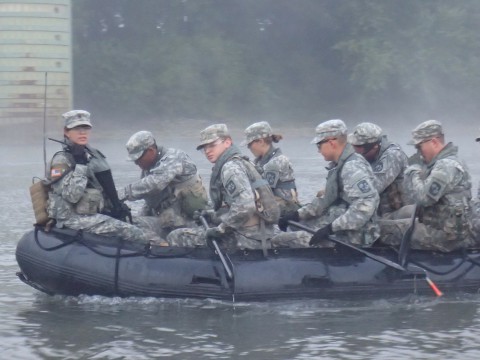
{"x": 69, "y": 262}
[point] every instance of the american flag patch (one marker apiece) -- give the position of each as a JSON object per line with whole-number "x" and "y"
{"x": 56, "y": 172}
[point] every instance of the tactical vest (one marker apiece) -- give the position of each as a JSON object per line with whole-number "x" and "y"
{"x": 335, "y": 196}
{"x": 190, "y": 194}
{"x": 392, "y": 197}
{"x": 285, "y": 191}
{"x": 93, "y": 199}
{"x": 266, "y": 205}
{"x": 451, "y": 213}
{"x": 275, "y": 183}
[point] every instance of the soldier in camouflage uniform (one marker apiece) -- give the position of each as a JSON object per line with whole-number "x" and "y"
{"x": 476, "y": 209}
{"x": 441, "y": 189}
{"x": 169, "y": 184}
{"x": 277, "y": 168}
{"x": 388, "y": 162}
{"x": 235, "y": 219}
{"x": 348, "y": 206}
{"x": 77, "y": 196}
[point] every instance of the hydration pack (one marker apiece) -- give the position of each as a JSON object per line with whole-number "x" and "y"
{"x": 39, "y": 196}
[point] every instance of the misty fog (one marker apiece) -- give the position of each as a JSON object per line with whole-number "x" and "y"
{"x": 175, "y": 67}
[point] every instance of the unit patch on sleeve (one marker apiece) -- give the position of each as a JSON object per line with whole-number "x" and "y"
{"x": 271, "y": 177}
{"x": 434, "y": 189}
{"x": 231, "y": 187}
{"x": 378, "y": 167}
{"x": 364, "y": 186}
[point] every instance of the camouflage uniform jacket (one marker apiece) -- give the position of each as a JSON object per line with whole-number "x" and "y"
{"x": 71, "y": 187}
{"x": 350, "y": 183}
{"x": 443, "y": 191}
{"x": 388, "y": 169}
{"x": 278, "y": 171}
{"x": 233, "y": 197}
{"x": 157, "y": 185}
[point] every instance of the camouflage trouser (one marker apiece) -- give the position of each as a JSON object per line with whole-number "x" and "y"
{"x": 187, "y": 237}
{"x": 475, "y": 220}
{"x": 423, "y": 236}
{"x": 172, "y": 218}
{"x": 302, "y": 238}
{"x": 105, "y": 225}
{"x": 299, "y": 238}
{"x": 293, "y": 239}
{"x": 404, "y": 212}
{"x": 155, "y": 224}
{"x": 190, "y": 237}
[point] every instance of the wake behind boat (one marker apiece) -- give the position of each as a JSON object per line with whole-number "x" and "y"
{"x": 69, "y": 262}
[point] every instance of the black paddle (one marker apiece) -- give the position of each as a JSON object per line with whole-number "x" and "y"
{"x": 353, "y": 247}
{"x": 406, "y": 239}
{"x": 217, "y": 249}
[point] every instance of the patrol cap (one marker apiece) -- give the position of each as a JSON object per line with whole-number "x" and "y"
{"x": 259, "y": 130}
{"x": 330, "y": 128}
{"x": 76, "y": 118}
{"x": 426, "y": 131}
{"x": 212, "y": 133}
{"x": 365, "y": 133}
{"x": 138, "y": 143}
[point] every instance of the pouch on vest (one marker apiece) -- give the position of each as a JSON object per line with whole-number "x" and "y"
{"x": 39, "y": 196}
{"x": 90, "y": 203}
{"x": 192, "y": 196}
{"x": 267, "y": 206}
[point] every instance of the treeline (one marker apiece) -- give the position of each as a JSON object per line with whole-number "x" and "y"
{"x": 275, "y": 58}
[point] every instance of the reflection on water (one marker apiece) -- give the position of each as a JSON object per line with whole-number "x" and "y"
{"x": 96, "y": 327}
{"x": 36, "y": 326}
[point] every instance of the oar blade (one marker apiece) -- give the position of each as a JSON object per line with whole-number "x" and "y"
{"x": 333, "y": 238}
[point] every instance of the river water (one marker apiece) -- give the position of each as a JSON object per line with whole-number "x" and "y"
{"x": 38, "y": 326}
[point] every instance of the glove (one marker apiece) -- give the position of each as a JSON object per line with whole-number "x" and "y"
{"x": 122, "y": 212}
{"x": 196, "y": 217}
{"x": 79, "y": 154}
{"x": 321, "y": 235}
{"x": 208, "y": 215}
{"x": 283, "y": 221}
{"x": 213, "y": 233}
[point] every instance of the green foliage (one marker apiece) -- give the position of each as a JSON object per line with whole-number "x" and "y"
{"x": 265, "y": 58}
{"x": 424, "y": 48}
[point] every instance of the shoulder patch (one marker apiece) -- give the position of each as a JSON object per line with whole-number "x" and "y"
{"x": 231, "y": 187}
{"x": 378, "y": 167}
{"x": 434, "y": 188}
{"x": 56, "y": 172}
{"x": 271, "y": 177}
{"x": 364, "y": 186}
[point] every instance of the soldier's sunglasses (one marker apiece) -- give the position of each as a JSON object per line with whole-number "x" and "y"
{"x": 319, "y": 144}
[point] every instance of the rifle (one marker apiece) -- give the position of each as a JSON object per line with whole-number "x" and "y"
{"x": 45, "y": 128}
{"x": 120, "y": 210}
{"x": 64, "y": 143}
